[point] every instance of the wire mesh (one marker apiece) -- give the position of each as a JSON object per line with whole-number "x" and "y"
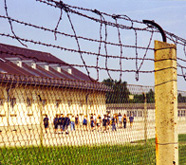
{"x": 54, "y": 125}
{"x": 54, "y": 120}
{"x": 51, "y": 124}
{"x": 181, "y": 126}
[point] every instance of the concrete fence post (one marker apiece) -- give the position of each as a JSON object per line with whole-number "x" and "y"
{"x": 145, "y": 117}
{"x": 40, "y": 104}
{"x": 166, "y": 103}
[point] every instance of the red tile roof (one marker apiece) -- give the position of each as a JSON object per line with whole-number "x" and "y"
{"x": 10, "y": 55}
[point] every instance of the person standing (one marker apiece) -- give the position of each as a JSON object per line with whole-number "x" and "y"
{"x": 114, "y": 123}
{"x": 94, "y": 117}
{"x": 98, "y": 122}
{"x": 67, "y": 123}
{"x": 105, "y": 123}
{"x": 120, "y": 120}
{"x": 124, "y": 121}
{"x": 46, "y": 123}
{"x": 63, "y": 122}
{"x": 85, "y": 122}
{"x": 60, "y": 123}
{"x": 77, "y": 121}
{"x": 108, "y": 121}
{"x": 92, "y": 122}
{"x": 73, "y": 123}
{"x": 131, "y": 120}
{"x": 55, "y": 124}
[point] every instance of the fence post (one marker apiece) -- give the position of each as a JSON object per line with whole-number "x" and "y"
{"x": 41, "y": 120}
{"x": 166, "y": 103}
{"x": 145, "y": 117}
{"x": 8, "y": 109}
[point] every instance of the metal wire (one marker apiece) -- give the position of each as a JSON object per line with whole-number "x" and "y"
{"x": 102, "y": 21}
{"x": 27, "y": 99}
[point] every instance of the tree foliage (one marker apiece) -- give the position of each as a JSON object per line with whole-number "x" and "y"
{"x": 181, "y": 99}
{"x": 140, "y": 98}
{"x": 119, "y": 93}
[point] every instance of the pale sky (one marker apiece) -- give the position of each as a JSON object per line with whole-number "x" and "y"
{"x": 170, "y": 15}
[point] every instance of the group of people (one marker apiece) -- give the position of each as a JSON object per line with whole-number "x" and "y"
{"x": 62, "y": 122}
{"x": 117, "y": 121}
{"x": 98, "y": 123}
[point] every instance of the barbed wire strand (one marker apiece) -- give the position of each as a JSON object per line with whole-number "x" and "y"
{"x": 102, "y": 21}
{"x": 78, "y": 44}
{"x": 121, "y": 48}
{"x": 70, "y": 35}
{"x": 10, "y": 23}
{"x": 145, "y": 54}
{"x": 60, "y": 19}
{"x": 99, "y": 48}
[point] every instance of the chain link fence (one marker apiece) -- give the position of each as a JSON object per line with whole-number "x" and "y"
{"x": 182, "y": 126}
{"x": 53, "y": 113}
{"x": 43, "y": 124}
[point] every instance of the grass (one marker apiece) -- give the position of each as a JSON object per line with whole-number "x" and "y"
{"x": 105, "y": 154}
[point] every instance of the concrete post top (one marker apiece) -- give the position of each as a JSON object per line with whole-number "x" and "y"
{"x": 168, "y": 51}
{"x": 163, "y": 45}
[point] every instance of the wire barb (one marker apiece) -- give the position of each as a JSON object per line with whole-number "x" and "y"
{"x": 104, "y": 54}
{"x": 10, "y": 23}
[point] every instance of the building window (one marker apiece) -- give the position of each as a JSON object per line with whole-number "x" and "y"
{"x": 179, "y": 114}
{"x": 12, "y": 102}
{"x": 135, "y": 113}
{"x": 182, "y": 113}
{"x": 12, "y": 106}
{"x": 58, "y": 102}
{"x": 1, "y": 102}
{"x": 128, "y": 113}
{"x": 81, "y": 102}
{"x": 44, "y": 102}
{"x": 29, "y": 102}
{"x": 139, "y": 113}
{"x": 69, "y": 103}
{"x": 29, "y": 107}
{"x": 2, "y": 111}
{"x": 91, "y": 103}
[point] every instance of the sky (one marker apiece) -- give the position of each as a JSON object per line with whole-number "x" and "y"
{"x": 170, "y": 15}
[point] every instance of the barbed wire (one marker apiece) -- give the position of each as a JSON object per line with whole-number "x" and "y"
{"x": 10, "y": 23}
{"x": 104, "y": 20}
{"x": 68, "y": 49}
{"x": 70, "y": 35}
{"x": 36, "y": 96}
{"x": 67, "y": 8}
{"x": 171, "y": 36}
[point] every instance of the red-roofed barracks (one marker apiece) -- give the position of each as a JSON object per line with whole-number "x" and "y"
{"x": 34, "y": 83}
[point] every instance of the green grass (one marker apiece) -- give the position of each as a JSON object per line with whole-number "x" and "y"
{"x": 182, "y": 149}
{"x": 106, "y": 154}
{"x": 115, "y": 154}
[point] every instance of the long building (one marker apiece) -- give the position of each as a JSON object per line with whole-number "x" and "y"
{"x": 35, "y": 83}
{"x": 138, "y": 110}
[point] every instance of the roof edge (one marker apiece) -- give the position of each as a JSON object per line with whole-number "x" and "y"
{"x": 54, "y": 82}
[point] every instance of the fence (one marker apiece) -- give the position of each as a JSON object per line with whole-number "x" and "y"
{"x": 53, "y": 113}
{"x": 22, "y": 126}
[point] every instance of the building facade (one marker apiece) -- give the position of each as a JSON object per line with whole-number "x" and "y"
{"x": 34, "y": 84}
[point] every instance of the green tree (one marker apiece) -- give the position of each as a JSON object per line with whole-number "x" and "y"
{"x": 150, "y": 96}
{"x": 118, "y": 93}
{"x": 140, "y": 98}
{"x": 181, "y": 99}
